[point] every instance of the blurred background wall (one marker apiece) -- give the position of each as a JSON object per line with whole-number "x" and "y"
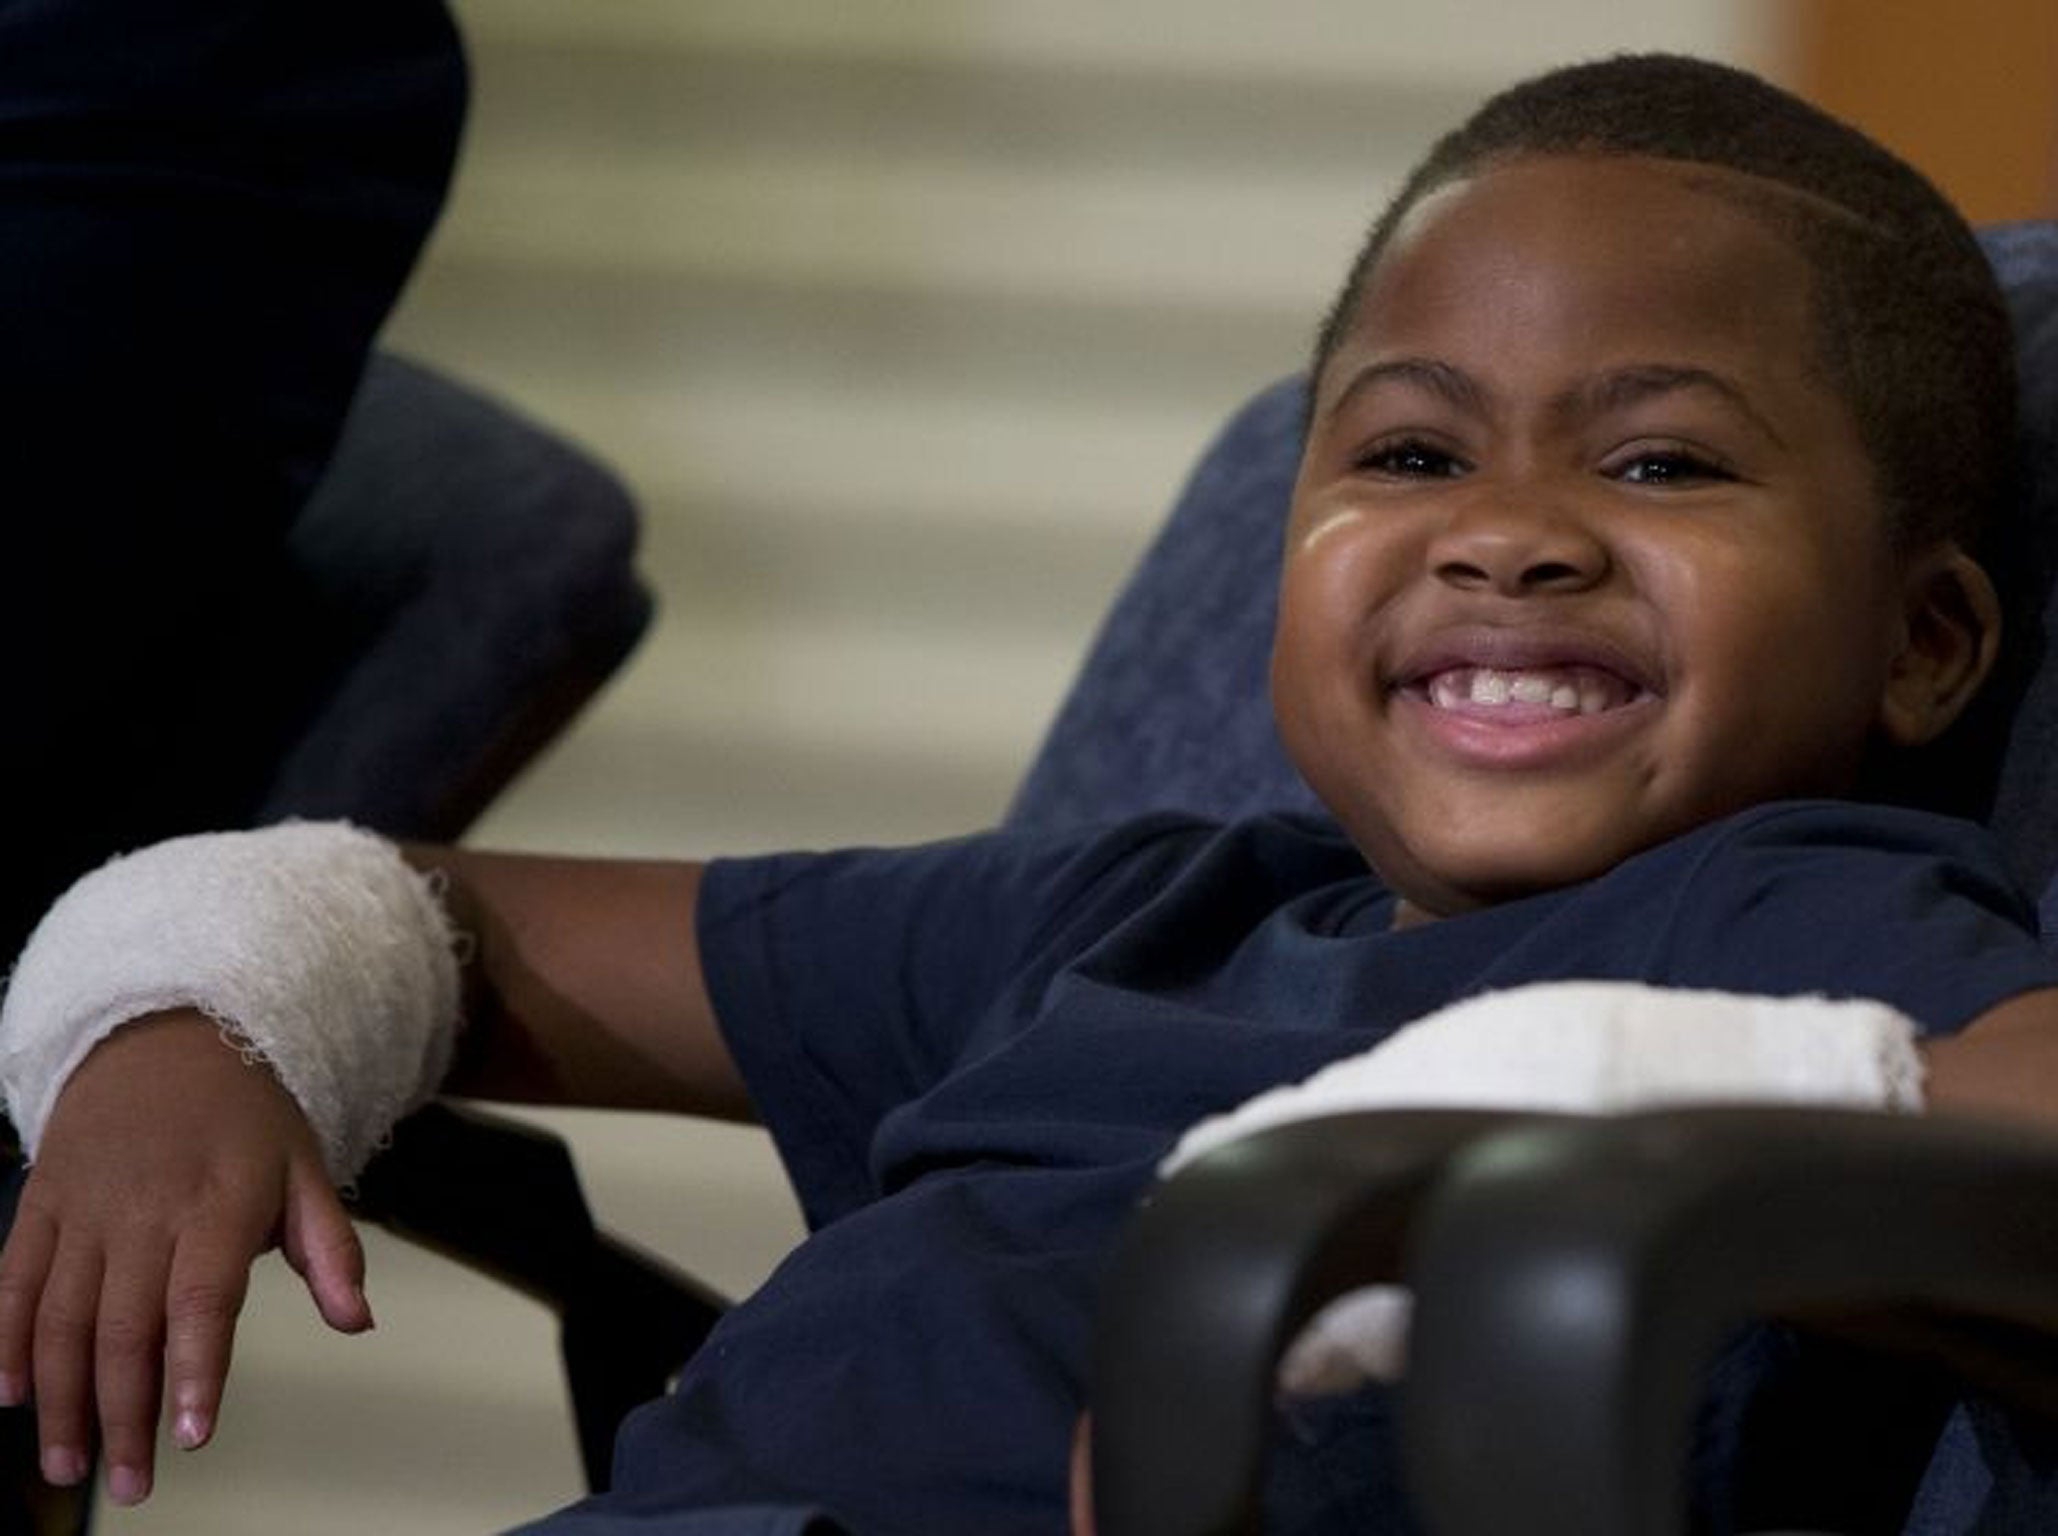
{"x": 1969, "y": 92}
{"x": 903, "y": 321}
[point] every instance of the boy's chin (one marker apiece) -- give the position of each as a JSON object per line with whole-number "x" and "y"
{"x": 1455, "y": 876}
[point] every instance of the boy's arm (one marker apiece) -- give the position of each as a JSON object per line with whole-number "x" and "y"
{"x": 169, "y": 1164}
{"x": 2004, "y": 1063}
{"x": 584, "y": 986}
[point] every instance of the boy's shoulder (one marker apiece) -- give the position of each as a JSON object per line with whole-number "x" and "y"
{"x": 1813, "y": 845}
{"x": 1839, "y": 833}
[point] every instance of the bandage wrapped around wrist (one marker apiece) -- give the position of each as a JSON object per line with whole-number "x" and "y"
{"x": 314, "y": 945}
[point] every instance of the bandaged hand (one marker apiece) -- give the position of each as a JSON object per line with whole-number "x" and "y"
{"x": 167, "y": 1166}
{"x": 1582, "y": 1047}
{"x": 199, "y": 1042}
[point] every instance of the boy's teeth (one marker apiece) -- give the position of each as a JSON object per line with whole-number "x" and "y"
{"x": 1565, "y": 691}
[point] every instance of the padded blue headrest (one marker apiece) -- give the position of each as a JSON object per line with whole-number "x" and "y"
{"x": 2025, "y": 258}
{"x": 1171, "y": 711}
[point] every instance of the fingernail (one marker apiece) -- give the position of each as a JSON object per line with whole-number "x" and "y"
{"x": 190, "y": 1429}
{"x": 128, "y": 1485}
{"x": 13, "y": 1390}
{"x": 62, "y": 1466}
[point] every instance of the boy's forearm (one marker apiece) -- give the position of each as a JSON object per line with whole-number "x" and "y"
{"x": 2004, "y": 1063}
{"x": 583, "y": 986}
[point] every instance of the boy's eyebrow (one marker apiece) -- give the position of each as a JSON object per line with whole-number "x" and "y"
{"x": 1615, "y": 390}
{"x": 1453, "y": 384}
{"x": 1623, "y": 387}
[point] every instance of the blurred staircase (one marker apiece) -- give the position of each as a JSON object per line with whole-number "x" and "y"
{"x": 905, "y": 320}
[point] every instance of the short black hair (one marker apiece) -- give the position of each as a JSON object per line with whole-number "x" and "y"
{"x": 1909, "y": 320}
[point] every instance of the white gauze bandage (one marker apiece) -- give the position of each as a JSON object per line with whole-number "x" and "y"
{"x": 314, "y": 945}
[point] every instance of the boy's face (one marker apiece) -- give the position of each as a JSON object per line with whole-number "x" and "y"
{"x": 1585, "y": 550}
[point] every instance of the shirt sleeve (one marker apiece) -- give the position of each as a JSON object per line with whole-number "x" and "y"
{"x": 847, "y": 984}
{"x": 1911, "y": 909}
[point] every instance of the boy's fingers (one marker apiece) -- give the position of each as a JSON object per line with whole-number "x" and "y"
{"x": 63, "y": 1367}
{"x": 1081, "y": 1499}
{"x": 24, "y": 1264}
{"x": 203, "y": 1298}
{"x": 320, "y": 1243}
{"x": 129, "y": 1342}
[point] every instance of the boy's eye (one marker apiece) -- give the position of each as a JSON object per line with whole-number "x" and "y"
{"x": 1667, "y": 466}
{"x": 1410, "y": 459}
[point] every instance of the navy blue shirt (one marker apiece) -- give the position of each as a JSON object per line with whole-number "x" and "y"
{"x": 972, "y": 1055}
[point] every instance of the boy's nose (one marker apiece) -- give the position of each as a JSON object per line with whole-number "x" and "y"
{"x": 1516, "y": 552}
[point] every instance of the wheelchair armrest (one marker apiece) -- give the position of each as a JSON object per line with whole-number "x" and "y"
{"x": 1573, "y": 1277}
{"x": 1220, "y": 1268}
{"x": 502, "y": 1198}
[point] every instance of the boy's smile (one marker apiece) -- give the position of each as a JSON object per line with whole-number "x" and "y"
{"x": 1585, "y": 548}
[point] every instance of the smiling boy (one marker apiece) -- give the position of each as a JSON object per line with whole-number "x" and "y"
{"x": 1628, "y": 551}
{"x": 1586, "y": 550}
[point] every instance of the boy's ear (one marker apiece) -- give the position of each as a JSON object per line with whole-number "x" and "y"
{"x": 1952, "y": 619}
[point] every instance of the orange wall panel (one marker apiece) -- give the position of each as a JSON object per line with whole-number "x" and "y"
{"x": 1968, "y": 91}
